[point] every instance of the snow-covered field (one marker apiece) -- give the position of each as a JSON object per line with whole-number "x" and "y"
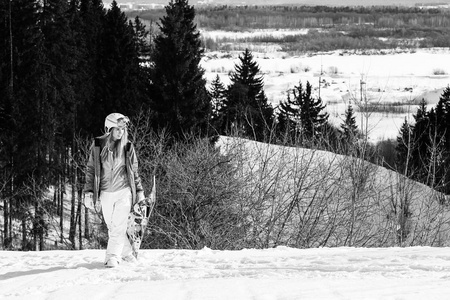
{"x": 415, "y": 273}
{"x": 390, "y": 76}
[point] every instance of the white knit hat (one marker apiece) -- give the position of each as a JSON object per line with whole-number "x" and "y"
{"x": 115, "y": 120}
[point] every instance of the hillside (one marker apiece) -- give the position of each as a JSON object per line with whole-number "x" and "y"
{"x": 295, "y": 197}
{"x": 310, "y": 198}
{"x": 258, "y": 195}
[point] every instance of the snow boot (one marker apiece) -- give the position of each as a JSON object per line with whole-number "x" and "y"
{"x": 111, "y": 263}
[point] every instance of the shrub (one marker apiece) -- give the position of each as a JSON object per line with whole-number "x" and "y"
{"x": 333, "y": 70}
{"x": 439, "y": 71}
{"x": 197, "y": 195}
{"x": 295, "y": 68}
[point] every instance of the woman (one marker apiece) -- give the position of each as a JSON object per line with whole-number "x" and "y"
{"x": 113, "y": 183}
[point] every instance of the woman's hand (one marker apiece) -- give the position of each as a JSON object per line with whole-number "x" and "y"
{"x": 89, "y": 200}
{"x": 140, "y": 196}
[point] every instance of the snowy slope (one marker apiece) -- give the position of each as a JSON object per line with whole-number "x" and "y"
{"x": 280, "y": 273}
{"x": 323, "y": 184}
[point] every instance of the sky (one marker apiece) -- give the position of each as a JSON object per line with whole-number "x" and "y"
{"x": 281, "y": 273}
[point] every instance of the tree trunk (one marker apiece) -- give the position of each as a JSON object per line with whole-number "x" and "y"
{"x": 79, "y": 217}
{"x": 73, "y": 224}
{"x": 61, "y": 196}
{"x": 41, "y": 227}
{"x": 10, "y": 221}
{"x": 7, "y": 234}
{"x": 24, "y": 234}
{"x": 87, "y": 234}
{"x": 6, "y": 222}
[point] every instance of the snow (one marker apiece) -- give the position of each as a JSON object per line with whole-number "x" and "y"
{"x": 277, "y": 273}
{"x": 389, "y": 76}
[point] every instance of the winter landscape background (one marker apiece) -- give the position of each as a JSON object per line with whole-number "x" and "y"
{"x": 262, "y": 221}
{"x": 280, "y": 272}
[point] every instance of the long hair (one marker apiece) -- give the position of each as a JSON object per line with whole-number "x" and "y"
{"x": 118, "y": 147}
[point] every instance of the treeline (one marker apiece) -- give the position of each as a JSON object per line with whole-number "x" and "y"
{"x": 241, "y": 18}
{"x": 423, "y": 148}
{"x": 345, "y": 27}
{"x": 316, "y": 41}
{"x": 237, "y": 18}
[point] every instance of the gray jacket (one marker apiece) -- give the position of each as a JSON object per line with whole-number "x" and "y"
{"x": 94, "y": 168}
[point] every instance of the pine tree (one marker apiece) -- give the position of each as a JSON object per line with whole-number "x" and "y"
{"x": 7, "y": 66}
{"x": 8, "y": 63}
{"x": 421, "y": 143}
{"x": 349, "y": 129}
{"x": 422, "y": 149}
{"x": 304, "y": 112}
{"x": 32, "y": 116}
{"x": 442, "y": 139}
{"x": 313, "y": 117}
{"x": 142, "y": 36}
{"x": 443, "y": 117}
{"x": 92, "y": 16}
{"x": 121, "y": 71}
{"x": 60, "y": 74}
{"x": 289, "y": 118}
{"x": 246, "y": 107}
{"x": 179, "y": 98}
{"x": 217, "y": 94}
{"x": 403, "y": 154}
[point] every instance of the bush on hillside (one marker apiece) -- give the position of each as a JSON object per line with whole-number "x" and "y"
{"x": 246, "y": 194}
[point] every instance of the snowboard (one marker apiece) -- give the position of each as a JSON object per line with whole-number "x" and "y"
{"x": 138, "y": 220}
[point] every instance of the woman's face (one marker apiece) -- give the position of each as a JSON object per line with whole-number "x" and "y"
{"x": 117, "y": 133}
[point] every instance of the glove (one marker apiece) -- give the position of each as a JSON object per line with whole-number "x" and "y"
{"x": 98, "y": 206}
{"x": 140, "y": 196}
{"x": 89, "y": 200}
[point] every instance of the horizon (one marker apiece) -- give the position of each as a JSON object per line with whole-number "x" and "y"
{"x": 407, "y": 3}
